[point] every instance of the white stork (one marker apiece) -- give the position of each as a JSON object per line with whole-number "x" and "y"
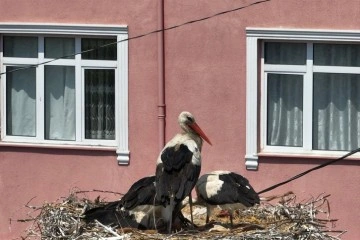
{"x": 225, "y": 190}
{"x": 178, "y": 167}
{"x": 135, "y": 209}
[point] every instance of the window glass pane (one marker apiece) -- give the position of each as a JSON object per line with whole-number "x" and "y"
{"x": 284, "y": 110}
{"x": 337, "y": 54}
{"x": 20, "y": 102}
{"x": 285, "y": 53}
{"x": 59, "y": 47}
{"x": 101, "y": 53}
{"x": 100, "y": 104}
{"x": 336, "y": 123}
{"x": 60, "y": 102}
{"x": 26, "y": 47}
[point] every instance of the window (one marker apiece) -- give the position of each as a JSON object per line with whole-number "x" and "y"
{"x": 309, "y": 93}
{"x": 53, "y": 95}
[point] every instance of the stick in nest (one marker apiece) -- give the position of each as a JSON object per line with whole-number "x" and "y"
{"x": 286, "y": 219}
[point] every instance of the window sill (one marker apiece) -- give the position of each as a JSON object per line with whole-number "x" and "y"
{"x": 122, "y": 156}
{"x": 58, "y": 146}
{"x": 311, "y": 155}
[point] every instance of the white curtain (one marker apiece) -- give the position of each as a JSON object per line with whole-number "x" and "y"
{"x": 26, "y": 47}
{"x": 337, "y": 55}
{"x": 336, "y": 122}
{"x": 60, "y": 102}
{"x": 336, "y": 106}
{"x": 336, "y": 113}
{"x": 20, "y": 87}
{"x": 285, "y": 106}
{"x": 285, "y": 53}
{"x": 59, "y": 47}
{"x": 20, "y": 99}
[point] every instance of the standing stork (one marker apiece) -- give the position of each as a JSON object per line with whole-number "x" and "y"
{"x": 225, "y": 190}
{"x": 178, "y": 167}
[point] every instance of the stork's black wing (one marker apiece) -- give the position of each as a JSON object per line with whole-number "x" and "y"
{"x": 175, "y": 175}
{"x": 141, "y": 192}
{"x": 174, "y": 158}
{"x": 236, "y": 188}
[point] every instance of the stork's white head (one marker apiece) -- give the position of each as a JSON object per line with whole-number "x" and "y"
{"x": 188, "y": 124}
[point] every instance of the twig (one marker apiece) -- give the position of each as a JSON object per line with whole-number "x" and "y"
{"x": 109, "y": 229}
{"x": 95, "y": 190}
{"x": 285, "y": 220}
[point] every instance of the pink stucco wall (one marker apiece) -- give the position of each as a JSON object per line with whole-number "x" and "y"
{"x": 48, "y": 174}
{"x": 208, "y": 57}
{"x": 205, "y": 74}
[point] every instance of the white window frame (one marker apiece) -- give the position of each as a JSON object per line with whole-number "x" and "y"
{"x": 255, "y": 85}
{"x": 120, "y": 144}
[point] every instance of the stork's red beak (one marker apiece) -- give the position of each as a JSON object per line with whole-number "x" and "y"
{"x": 198, "y": 130}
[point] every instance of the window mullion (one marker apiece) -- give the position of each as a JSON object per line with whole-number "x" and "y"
{"x": 3, "y": 98}
{"x": 40, "y": 89}
{"x": 78, "y": 90}
{"x": 264, "y": 109}
{"x": 3, "y": 91}
{"x": 336, "y": 69}
{"x": 285, "y": 68}
{"x": 308, "y": 100}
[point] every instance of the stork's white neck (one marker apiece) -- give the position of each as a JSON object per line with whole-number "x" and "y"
{"x": 194, "y": 136}
{"x": 182, "y": 138}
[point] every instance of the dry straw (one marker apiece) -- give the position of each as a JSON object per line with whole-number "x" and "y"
{"x": 284, "y": 219}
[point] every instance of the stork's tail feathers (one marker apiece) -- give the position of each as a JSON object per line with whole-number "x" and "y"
{"x": 110, "y": 215}
{"x": 105, "y": 216}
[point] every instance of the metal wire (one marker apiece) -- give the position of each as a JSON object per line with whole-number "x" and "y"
{"x": 138, "y": 36}
{"x": 308, "y": 171}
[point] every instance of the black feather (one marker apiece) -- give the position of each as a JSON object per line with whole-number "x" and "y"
{"x": 176, "y": 175}
{"x": 141, "y": 192}
{"x": 174, "y": 158}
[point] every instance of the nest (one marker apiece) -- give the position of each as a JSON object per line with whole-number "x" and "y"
{"x": 284, "y": 219}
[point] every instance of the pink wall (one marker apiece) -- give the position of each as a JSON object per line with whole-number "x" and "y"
{"x": 205, "y": 74}
{"x": 49, "y": 173}
{"x": 208, "y": 58}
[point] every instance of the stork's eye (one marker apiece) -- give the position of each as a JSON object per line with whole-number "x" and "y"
{"x": 189, "y": 119}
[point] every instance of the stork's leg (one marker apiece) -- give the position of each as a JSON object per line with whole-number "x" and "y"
{"x": 171, "y": 214}
{"x": 207, "y": 214}
{"x": 153, "y": 214}
{"x": 191, "y": 210}
{"x": 185, "y": 222}
{"x": 231, "y": 219}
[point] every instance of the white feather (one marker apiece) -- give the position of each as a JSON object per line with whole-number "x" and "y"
{"x": 144, "y": 215}
{"x": 209, "y": 184}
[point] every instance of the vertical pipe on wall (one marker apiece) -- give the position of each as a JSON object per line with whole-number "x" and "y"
{"x": 161, "y": 76}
